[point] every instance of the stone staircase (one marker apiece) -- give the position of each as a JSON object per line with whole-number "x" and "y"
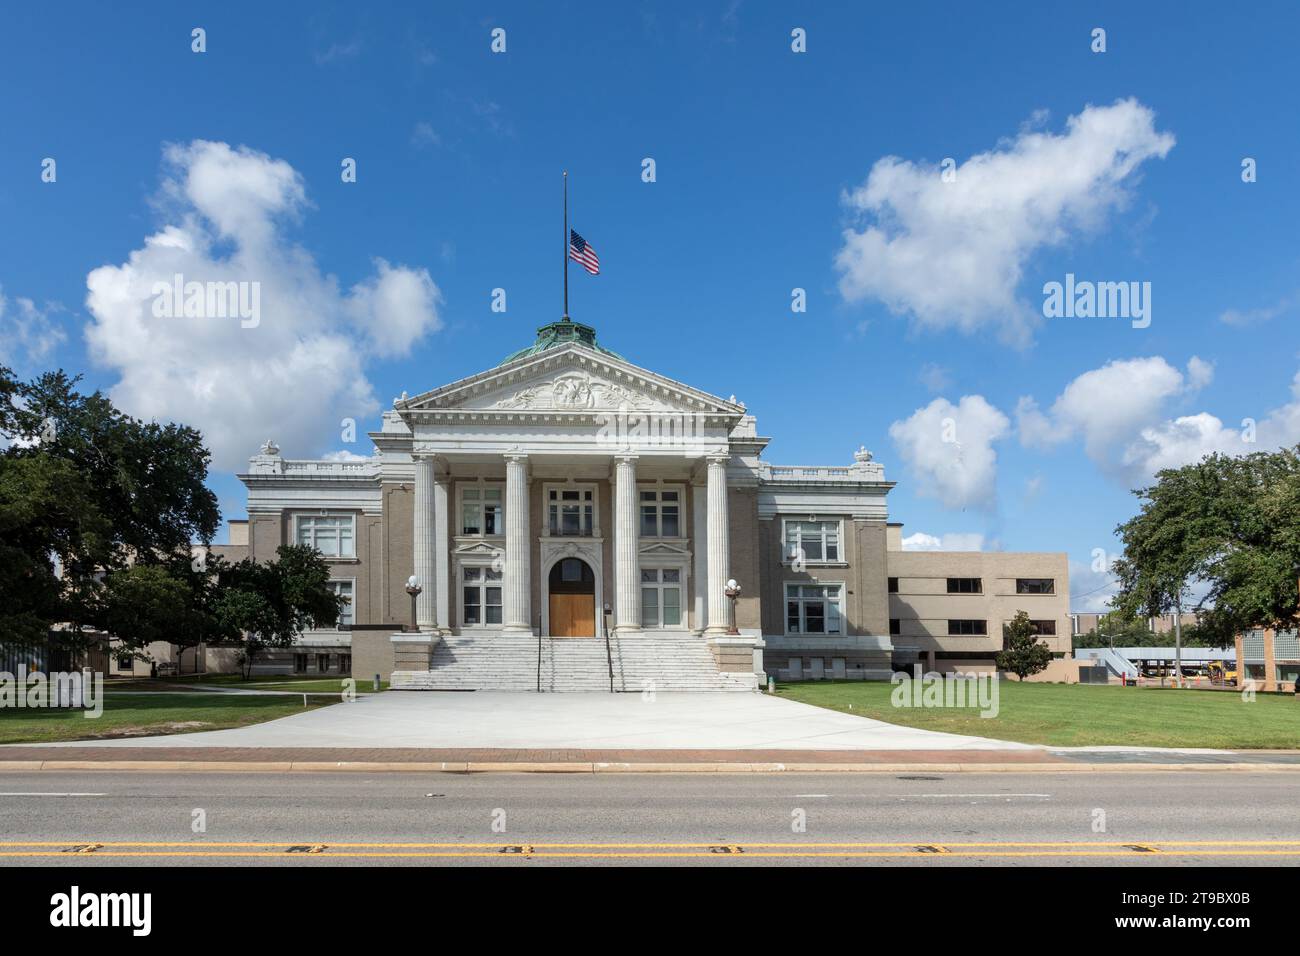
{"x": 658, "y": 661}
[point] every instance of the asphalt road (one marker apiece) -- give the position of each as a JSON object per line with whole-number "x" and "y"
{"x": 1127, "y": 819}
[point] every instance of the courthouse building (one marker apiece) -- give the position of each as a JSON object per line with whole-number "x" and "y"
{"x": 576, "y": 522}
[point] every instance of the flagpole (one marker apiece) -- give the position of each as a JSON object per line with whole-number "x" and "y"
{"x": 566, "y": 245}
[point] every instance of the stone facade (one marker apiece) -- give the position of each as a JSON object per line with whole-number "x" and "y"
{"x": 569, "y": 494}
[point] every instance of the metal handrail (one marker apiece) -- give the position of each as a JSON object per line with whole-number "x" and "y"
{"x": 539, "y": 659}
{"x": 609, "y": 657}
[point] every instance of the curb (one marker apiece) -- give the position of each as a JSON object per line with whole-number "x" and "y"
{"x": 463, "y": 767}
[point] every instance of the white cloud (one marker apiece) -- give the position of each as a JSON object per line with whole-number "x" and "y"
{"x": 295, "y": 374}
{"x": 920, "y": 541}
{"x": 949, "y": 448}
{"x": 1121, "y": 413}
{"x": 343, "y": 455}
{"x": 28, "y": 334}
{"x": 952, "y": 254}
{"x": 1254, "y": 316}
{"x": 934, "y": 377}
{"x": 424, "y": 135}
{"x": 1091, "y": 590}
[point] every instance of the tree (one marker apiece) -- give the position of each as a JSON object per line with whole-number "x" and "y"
{"x": 86, "y": 491}
{"x": 270, "y": 604}
{"x": 1229, "y": 524}
{"x": 1023, "y": 653}
{"x": 1167, "y": 544}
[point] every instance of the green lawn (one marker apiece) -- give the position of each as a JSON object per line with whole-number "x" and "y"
{"x": 293, "y": 682}
{"x": 1079, "y": 715}
{"x": 148, "y": 714}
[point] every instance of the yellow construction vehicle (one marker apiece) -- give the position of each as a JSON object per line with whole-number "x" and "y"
{"x": 1220, "y": 674}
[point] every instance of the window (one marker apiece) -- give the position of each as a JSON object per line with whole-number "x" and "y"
{"x": 481, "y": 596}
{"x": 300, "y": 663}
{"x": 1035, "y": 586}
{"x": 661, "y": 597}
{"x": 126, "y": 662}
{"x": 331, "y": 535}
{"x": 895, "y": 626}
{"x": 343, "y": 588}
{"x": 571, "y": 511}
{"x": 965, "y": 586}
{"x": 813, "y": 608}
{"x": 481, "y": 511}
{"x": 893, "y": 585}
{"x": 661, "y": 512}
{"x": 968, "y": 627}
{"x": 322, "y": 663}
{"x": 345, "y": 663}
{"x": 1044, "y": 628}
{"x": 817, "y": 541}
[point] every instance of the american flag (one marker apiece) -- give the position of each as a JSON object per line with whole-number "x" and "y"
{"x": 582, "y": 251}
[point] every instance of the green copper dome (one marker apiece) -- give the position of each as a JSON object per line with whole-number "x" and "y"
{"x": 561, "y": 333}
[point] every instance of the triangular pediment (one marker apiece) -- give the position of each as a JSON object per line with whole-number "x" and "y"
{"x": 570, "y": 379}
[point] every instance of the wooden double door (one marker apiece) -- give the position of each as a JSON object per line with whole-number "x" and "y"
{"x": 573, "y": 599}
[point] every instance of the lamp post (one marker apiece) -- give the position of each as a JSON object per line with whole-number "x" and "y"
{"x": 732, "y": 591}
{"x": 413, "y": 588}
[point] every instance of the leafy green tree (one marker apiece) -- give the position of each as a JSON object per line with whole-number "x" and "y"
{"x": 1177, "y": 530}
{"x": 85, "y": 492}
{"x": 268, "y": 605}
{"x": 1023, "y": 653}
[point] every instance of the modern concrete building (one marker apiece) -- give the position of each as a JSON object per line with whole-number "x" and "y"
{"x": 1270, "y": 658}
{"x": 574, "y": 522}
{"x": 947, "y": 608}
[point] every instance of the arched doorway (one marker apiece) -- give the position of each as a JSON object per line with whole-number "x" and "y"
{"x": 572, "y": 586}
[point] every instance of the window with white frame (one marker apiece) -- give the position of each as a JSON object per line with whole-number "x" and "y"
{"x": 343, "y": 589}
{"x": 480, "y": 596}
{"x": 661, "y": 513}
{"x": 571, "y": 510}
{"x": 332, "y": 535}
{"x": 661, "y": 597}
{"x": 814, "y": 608}
{"x": 481, "y": 510}
{"x": 812, "y": 541}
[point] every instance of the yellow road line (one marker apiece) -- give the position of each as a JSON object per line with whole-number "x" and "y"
{"x": 193, "y": 844}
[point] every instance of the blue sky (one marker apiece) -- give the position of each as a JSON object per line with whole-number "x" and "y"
{"x": 758, "y": 151}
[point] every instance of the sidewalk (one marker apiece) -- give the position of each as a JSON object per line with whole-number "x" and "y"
{"x": 513, "y": 760}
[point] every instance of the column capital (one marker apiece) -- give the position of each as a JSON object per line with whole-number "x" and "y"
{"x": 516, "y": 456}
{"x": 715, "y": 460}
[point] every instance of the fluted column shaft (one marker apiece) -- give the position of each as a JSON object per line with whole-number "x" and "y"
{"x": 441, "y": 544}
{"x": 627, "y": 585}
{"x": 700, "y": 542}
{"x": 425, "y": 563}
{"x": 718, "y": 545}
{"x": 518, "y": 585}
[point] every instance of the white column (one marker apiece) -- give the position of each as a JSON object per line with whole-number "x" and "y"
{"x": 719, "y": 544}
{"x": 441, "y": 544}
{"x": 700, "y": 543}
{"x": 424, "y": 568}
{"x": 518, "y": 584}
{"x": 627, "y": 584}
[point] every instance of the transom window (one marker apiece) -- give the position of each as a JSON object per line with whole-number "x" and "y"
{"x": 571, "y": 511}
{"x": 661, "y": 597}
{"x": 343, "y": 588}
{"x": 1035, "y": 586}
{"x": 812, "y": 541}
{"x": 661, "y": 513}
{"x": 331, "y": 535}
{"x": 965, "y": 586}
{"x": 814, "y": 608}
{"x": 481, "y": 510}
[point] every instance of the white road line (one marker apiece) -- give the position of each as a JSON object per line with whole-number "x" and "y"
{"x": 28, "y": 794}
{"x": 978, "y": 795}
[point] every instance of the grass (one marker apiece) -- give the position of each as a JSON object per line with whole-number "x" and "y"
{"x": 1081, "y": 715}
{"x": 149, "y": 714}
{"x": 291, "y": 682}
